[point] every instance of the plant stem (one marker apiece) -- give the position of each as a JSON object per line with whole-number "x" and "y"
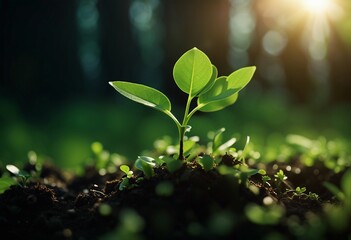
{"x": 182, "y": 128}
{"x": 181, "y": 142}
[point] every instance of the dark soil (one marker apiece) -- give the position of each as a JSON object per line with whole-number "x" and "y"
{"x": 200, "y": 205}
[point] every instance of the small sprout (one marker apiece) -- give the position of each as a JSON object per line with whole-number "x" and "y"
{"x": 218, "y": 146}
{"x": 206, "y": 162}
{"x": 299, "y": 191}
{"x": 195, "y": 75}
{"x": 265, "y": 179}
{"x": 21, "y": 176}
{"x": 313, "y": 196}
{"x": 126, "y": 170}
{"x": 343, "y": 194}
{"x": 146, "y": 164}
{"x": 124, "y": 184}
{"x": 172, "y": 164}
{"x": 280, "y": 176}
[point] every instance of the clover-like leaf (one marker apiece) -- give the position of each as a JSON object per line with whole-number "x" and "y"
{"x": 193, "y": 71}
{"x": 143, "y": 94}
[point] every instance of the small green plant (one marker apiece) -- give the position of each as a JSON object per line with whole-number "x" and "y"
{"x": 299, "y": 191}
{"x": 195, "y": 75}
{"x": 146, "y": 164}
{"x": 206, "y": 162}
{"x": 125, "y": 181}
{"x": 265, "y": 179}
{"x": 217, "y": 145}
{"x": 126, "y": 170}
{"x": 21, "y": 177}
{"x": 344, "y": 192}
{"x": 280, "y": 176}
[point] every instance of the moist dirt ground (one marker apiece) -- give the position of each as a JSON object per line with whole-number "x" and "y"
{"x": 187, "y": 204}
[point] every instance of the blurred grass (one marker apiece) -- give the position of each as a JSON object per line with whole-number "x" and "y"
{"x": 65, "y": 133}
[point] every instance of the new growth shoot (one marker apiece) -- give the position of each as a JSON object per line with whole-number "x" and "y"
{"x": 195, "y": 75}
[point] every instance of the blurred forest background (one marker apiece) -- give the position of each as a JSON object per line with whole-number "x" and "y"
{"x": 58, "y": 56}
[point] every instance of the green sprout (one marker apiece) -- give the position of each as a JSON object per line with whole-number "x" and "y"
{"x": 146, "y": 164}
{"x": 280, "y": 176}
{"x": 299, "y": 191}
{"x": 195, "y": 75}
{"x": 126, "y": 170}
{"x": 20, "y": 176}
{"x": 206, "y": 162}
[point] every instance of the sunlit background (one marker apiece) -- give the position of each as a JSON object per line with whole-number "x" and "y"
{"x": 58, "y": 56}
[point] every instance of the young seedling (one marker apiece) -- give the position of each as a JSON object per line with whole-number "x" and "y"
{"x": 299, "y": 191}
{"x": 206, "y": 162}
{"x": 195, "y": 75}
{"x": 280, "y": 176}
{"x": 126, "y": 170}
{"x": 20, "y": 176}
{"x": 146, "y": 164}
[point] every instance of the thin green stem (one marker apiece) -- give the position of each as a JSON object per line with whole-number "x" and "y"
{"x": 198, "y": 107}
{"x": 185, "y": 118}
{"x": 182, "y": 128}
{"x": 168, "y": 113}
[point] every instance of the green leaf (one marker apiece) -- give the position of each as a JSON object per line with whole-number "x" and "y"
{"x": 346, "y": 184}
{"x": 217, "y": 139}
{"x": 146, "y": 164}
{"x": 219, "y": 104}
{"x": 124, "y": 168}
{"x": 211, "y": 82}
{"x": 206, "y": 162}
{"x": 218, "y": 91}
{"x": 143, "y": 94}
{"x": 6, "y": 183}
{"x": 193, "y": 71}
{"x": 240, "y": 78}
{"x": 173, "y": 164}
{"x": 334, "y": 190}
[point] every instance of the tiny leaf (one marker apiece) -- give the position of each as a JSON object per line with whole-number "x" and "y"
{"x": 125, "y": 169}
{"x": 206, "y": 162}
{"x": 143, "y": 94}
{"x": 193, "y": 71}
{"x": 217, "y": 139}
{"x": 13, "y": 169}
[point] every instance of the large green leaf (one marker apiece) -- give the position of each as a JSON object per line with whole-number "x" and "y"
{"x": 143, "y": 94}
{"x": 241, "y": 77}
{"x": 192, "y": 71}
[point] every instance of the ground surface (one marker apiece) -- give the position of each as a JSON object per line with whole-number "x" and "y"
{"x": 187, "y": 204}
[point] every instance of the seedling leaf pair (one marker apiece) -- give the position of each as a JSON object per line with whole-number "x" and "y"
{"x": 195, "y": 75}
